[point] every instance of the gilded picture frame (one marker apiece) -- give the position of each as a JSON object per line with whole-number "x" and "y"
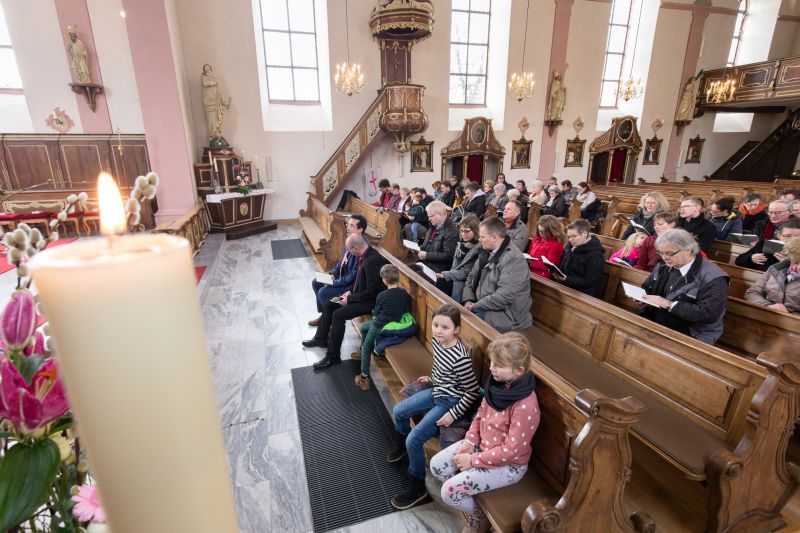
{"x": 421, "y": 155}
{"x": 521, "y": 153}
{"x": 573, "y": 157}
{"x": 695, "y": 150}
{"x": 652, "y": 151}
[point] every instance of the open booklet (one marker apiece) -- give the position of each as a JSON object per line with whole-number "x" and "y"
{"x": 411, "y": 245}
{"x": 620, "y": 261}
{"x": 530, "y": 257}
{"x": 552, "y": 268}
{"x": 772, "y": 246}
{"x": 636, "y": 293}
{"x": 427, "y": 271}
{"x": 741, "y": 238}
{"x": 324, "y": 278}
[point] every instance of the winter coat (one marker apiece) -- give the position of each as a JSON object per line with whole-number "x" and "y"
{"x": 640, "y": 219}
{"x": 583, "y": 266}
{"x": 558, "y": 208}
{"x": 772, "y": 288}
{"x": 518, "y": 233}
{"x": 750, "y": 219}
{"x": 461, "y": 267}
{"x": 704, "y": 231}
{"x": 440, "y": 245}
{"x": 540, "y": 198}
{"x": 551, "y": 249}
{"x": 726, "y": 225}
{"x": 745, "y": 260}
{"x": 500, "y": 287}
{"x": 648, "y": 258}
{"x": 701, "y": 298}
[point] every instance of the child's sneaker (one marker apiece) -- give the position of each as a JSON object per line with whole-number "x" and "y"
{"x": 362, "y": 382}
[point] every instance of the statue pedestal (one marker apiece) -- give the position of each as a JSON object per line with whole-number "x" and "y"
{"x": 89, "y": 91}
{"x": 552, "y": 125}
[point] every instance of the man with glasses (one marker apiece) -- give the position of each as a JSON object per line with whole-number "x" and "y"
{"x": 359, "y": 300}
{"x": 756, "y": 259}
{"x": 436, "y": 252}
{"x": 583, "y": 260}
{"x": 687, "y": 292}
{"x": 692, "y": 220}
{"x": 777, "y": 213}
{"x": 343, "y": 272}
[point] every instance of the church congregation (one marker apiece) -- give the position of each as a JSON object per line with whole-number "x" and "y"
{"x": 553, "y": 286}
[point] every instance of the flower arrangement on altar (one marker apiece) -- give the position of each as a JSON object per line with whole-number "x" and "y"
{"x": 45, "y": 483}
{"x": 242, "y": 178}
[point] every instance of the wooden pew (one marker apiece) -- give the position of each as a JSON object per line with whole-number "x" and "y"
{"x": 193, "y": 226}
{"x": 749, "y": 329}
{"x": 324, "y": 231}
{"x": 383, "y": 228}
{"x": 581, "y": 455}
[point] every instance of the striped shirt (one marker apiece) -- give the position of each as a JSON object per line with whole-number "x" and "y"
{"x": 452, "y": 375}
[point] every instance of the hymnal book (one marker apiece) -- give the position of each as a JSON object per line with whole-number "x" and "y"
{"x": 428, "y": 272}
{"x": 772, "y": 246}
{"x": 530, "y": 257}
{"x": 411, "y": 245}
{"x": 324, "y": 278}
{"x": 741, "y": 238}
{"x": 552, "y": 268}
{"x": 636, "y": 293}
{"x": 639, "y": 228}
{"x": 620, "y": 261}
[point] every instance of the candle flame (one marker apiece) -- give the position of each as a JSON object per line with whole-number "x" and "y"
{"x": 112, "y": 213}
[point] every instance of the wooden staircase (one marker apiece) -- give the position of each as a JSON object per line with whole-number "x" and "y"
{"x": 773, "y": 157}
{"x": 724, "y": 171}
{"x": 330, "y": 181}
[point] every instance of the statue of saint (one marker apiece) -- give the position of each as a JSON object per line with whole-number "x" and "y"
{"x": 685, "y": 110}
{"x": 79, "y": 57}
{"x": 213, "y": 102}
{"x": 558, "y": 96}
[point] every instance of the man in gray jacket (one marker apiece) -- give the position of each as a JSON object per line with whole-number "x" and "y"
{"x": 498, "y": 287}
{"x": 517, "y": 230}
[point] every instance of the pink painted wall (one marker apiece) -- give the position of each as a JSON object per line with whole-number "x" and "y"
{"x": 76, "y": 13}
{"x": 558, "y": 58}
{"x": 158, "y": 84}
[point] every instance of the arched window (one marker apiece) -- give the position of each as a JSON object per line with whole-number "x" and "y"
{"x": 469, "y": 51}
{"x": 618, "y": 27}
{"x": 9, "y": 73}
{"x": 289, "y": 30}
{"x": 738, "y": 28}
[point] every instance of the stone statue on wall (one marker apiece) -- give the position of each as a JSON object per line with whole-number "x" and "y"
{"x": 213, "y": 102}
{"x": 558, "y": 96}
{"x": 686, "y": 106}
{"x": 79, "y": 57}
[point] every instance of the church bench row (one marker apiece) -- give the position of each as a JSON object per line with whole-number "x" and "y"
{"x": 749, "y": 329}
{"x": 581, "y": 452}
{"x": 700, "y": 401}
{"x": 325, "y": 232}
{"x": 192, "y": 226}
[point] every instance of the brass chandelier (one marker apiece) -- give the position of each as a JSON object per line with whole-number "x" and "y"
{"x": 521, "y": 85}
{"x": 630, "y": 89}
{"x": 721, "y": 91}
{"x": 349, "y": 79}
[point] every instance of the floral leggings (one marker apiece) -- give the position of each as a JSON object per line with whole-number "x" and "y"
{"x": 460, "y": 487}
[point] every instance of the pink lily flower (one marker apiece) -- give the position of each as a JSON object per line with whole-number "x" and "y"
{"x": 87, "y": 505}
{"x": 30, "y": 407}
{"x": 18, "y": 320}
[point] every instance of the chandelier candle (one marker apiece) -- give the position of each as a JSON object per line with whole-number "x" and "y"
{"x": 129, "y": 337}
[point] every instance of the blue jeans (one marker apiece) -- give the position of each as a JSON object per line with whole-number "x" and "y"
{"x": 415, "y": 230}
{"x": 325, "y": 292}
{"x": 434, "y": 409}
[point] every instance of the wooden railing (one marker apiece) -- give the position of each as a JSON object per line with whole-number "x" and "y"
{"x": 193, "y": 226}
{"x": 329, "y": 181}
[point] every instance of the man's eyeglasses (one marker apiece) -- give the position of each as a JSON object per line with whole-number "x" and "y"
{"x": 770, "y": 213}
{"x": 668, "y": 254}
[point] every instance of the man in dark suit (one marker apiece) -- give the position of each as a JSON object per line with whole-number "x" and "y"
{"x": 359, "y": 300}
{"x": 693, "y": 221}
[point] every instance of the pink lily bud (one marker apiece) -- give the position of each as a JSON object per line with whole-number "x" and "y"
{"x": 18, "y": 320}
{"x": 35, "y": 347}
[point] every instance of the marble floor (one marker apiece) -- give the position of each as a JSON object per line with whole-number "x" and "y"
{"x": 255, "y": 310}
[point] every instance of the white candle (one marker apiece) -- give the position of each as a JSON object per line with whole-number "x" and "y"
{"x": 129, "y": 337}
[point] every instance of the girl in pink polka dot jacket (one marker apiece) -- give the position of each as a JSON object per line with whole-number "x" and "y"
{"x": 497, "y": 447}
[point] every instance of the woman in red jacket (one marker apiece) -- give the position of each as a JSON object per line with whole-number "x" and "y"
{"x": 648, "y": 256}
{"x": 548, "y": 242}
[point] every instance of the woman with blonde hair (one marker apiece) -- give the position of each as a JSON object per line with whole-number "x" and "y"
{"x": 779, "y": 287}
{"x": 650, "y": 204}
{"x": 548, "y": 241}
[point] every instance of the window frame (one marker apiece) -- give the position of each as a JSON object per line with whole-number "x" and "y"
{"x": 736, "y": 40}
{"x": 618, "y": 81}
{"x": 10, "y": 46}
{"x": 467, "y": 43}
{"x": 291, "y": 67}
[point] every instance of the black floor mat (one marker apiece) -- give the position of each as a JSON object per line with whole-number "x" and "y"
{"x": 346, "y": 435}
{"x": 288, "y": 249}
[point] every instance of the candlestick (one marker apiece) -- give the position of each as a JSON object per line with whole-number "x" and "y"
{"x": 129, "y": 337}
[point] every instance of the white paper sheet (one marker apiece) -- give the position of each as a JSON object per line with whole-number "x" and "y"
{"x": 324, "y": 277}
{"x": 411, "y": 245}
{"x": 636, "y": 293}
{"x": 550, "y": 264}
{"x": 428, "y": 272}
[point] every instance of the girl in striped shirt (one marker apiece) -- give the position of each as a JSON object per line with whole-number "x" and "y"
{"x": 454, "y": 390}
{"x": 497, "y": 448}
